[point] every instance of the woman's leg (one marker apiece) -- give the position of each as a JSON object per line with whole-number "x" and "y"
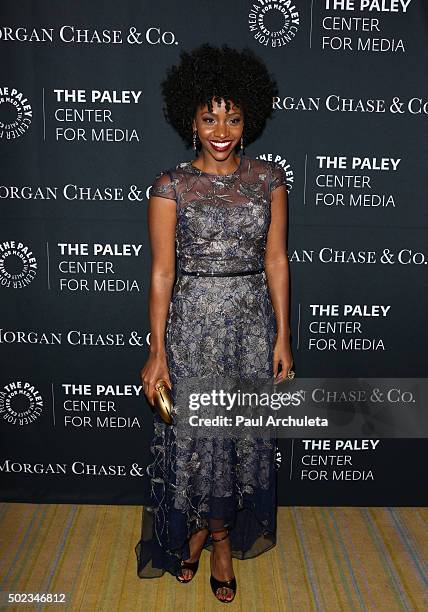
{"x": 196, "y": 544}
{"x": 221, "y": 557}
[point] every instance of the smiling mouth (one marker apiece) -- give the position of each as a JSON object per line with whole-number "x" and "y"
{"x": 221, "y": 145}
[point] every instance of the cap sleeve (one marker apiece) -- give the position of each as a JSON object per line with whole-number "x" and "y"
{"x": 163, "y": 186}
{"x": 278, "y": 176}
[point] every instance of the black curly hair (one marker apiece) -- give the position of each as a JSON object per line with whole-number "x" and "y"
{"x": 225, "y": 73}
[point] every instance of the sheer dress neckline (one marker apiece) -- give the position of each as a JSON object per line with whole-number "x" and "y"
{"x": 198, "y": 171}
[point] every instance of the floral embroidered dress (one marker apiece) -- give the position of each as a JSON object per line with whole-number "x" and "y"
{"x": 215, "y": 325}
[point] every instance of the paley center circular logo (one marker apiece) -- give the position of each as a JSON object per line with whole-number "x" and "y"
{"x": 18, "y": 266}
{"x": 273, "y": 23}
{"x": 285, "y": 165}
{"x": 15, "y": 113}
{"x": 20, "y": 403}
{"x": 278, "y": 459}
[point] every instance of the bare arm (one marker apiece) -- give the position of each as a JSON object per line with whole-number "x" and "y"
{"x": 277, "y": 275}
{"x": 161, "y": 223}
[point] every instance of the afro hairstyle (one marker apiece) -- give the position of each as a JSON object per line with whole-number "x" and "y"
{"x": 209, "y": 72}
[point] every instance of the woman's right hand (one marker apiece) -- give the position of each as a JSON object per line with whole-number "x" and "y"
{"x": 156, "y": 367}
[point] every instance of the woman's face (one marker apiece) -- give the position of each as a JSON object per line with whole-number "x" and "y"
{"x": 219, "y": 131}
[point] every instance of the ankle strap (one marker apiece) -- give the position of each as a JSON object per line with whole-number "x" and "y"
{"x": 220, "y": 539}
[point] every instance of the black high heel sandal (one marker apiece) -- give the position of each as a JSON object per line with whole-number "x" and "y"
{"x": 192, "y": 566}
{"x": 218, "y": 584}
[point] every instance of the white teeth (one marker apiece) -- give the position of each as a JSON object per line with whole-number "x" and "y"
{"x": 221, "y": 145}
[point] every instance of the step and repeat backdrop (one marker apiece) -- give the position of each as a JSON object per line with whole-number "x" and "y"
{"x": 82, "y": 136}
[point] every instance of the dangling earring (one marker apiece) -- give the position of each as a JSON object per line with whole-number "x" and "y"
{"x": 194, "y": 140}
{"x": 242, "y": 144}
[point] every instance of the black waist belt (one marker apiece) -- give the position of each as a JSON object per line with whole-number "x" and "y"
{"x": 223, "y": 273}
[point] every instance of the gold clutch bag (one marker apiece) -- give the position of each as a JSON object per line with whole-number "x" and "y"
{"x": 163, "y": 402}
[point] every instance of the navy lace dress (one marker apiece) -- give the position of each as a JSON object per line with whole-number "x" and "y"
{"x": 215, "y": 325}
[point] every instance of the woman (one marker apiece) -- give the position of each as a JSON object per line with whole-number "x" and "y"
{"x": 222, "y": 219}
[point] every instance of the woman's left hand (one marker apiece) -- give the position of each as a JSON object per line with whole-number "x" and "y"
{"x": 282, "y": 355}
